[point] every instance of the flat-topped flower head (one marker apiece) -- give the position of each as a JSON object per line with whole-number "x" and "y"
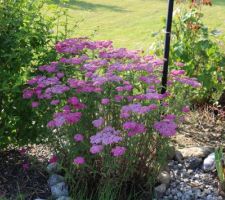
{"x": 78, "y": 137}
{"x": 98, "y": 122}
{"x": 106, "y": 137}
{"x": 186, "y": 109}
{"x": 105, "y": 101}
{"x": 134, "y": 128}
{"x": 96, "y": 149}
{"x": 118, "y": 151}
{"x": 166, "y": 128}
{"x": 79, "y": 160}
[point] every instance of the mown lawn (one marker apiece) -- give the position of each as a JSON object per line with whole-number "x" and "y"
{"x": 130, "y": 23}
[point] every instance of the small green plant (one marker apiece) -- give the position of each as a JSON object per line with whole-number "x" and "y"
{"x": 220, "y": 167}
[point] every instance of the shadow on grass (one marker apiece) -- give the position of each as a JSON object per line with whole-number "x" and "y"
{"x": 82, "y": 5}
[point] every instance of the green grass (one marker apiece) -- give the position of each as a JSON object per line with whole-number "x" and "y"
{"x": 130, "y": 23}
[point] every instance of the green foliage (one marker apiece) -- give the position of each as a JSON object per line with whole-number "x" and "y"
{"x": 220, "y": 165}
{"x": 194, "y": 45}
{"x": 26, "y": 39}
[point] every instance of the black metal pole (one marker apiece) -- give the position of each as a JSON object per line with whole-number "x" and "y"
{"x": 167, "y": 45}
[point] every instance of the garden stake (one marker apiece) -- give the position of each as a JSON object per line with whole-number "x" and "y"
{"x": 167, "y": 45}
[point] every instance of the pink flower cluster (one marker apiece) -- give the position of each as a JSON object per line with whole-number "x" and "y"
{"x": 166, "y": 127}
{"x": 120, "y": 85}
{"x": 118, "y": 151}
{"x": 107, "y": 136}
{"x": 134, "y": 128}
{"x": 136, "y": 108}
{"x": 62, "y": 118}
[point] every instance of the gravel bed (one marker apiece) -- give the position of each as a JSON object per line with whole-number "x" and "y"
{"x": 191, "y": 183}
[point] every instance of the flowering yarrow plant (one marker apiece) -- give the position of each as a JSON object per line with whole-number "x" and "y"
{"x": 112, "y": 97}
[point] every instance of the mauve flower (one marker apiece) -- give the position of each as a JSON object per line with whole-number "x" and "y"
{"x": 22, "y": 151}
{"x": 54, "y": 102}
{"x": 34, "y": 104}
{"x": 177, "y": 72}
{"x": 166, "y": 128}
{"x": 60, "y": 74}
{"x": 179, "y": 64}
{"x": 118, "y": 151}
{"x": 53, "y": 159}
{"x": 98, "y": 122}
{"x": 96, "y": 149}
{"x": 78, "y": 137}
{"x": 73, "y": 100}
{"x": 79, "y": 160}
{"x": 105, "y": 101}
{"x": 107, "y": 136}
{"x": 72, "y": 118}
{"x": 25, "y": 166}
{"x": 118, "y": 98}
{"x": 186, "y": 109}
{"x": 134, "y": 128}
{"x": 189, "y": 81}
{"x": 27, "y": 93}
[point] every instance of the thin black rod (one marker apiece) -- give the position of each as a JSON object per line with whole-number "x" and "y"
{"x": 167, "y": 45}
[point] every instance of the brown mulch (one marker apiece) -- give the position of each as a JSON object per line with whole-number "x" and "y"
{"x": 23, "y": 176}
{"x": 201, "y": 128}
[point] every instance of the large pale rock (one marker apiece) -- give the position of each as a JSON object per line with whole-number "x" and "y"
{"x": 59, "y": 190}
{"x": 200, "y": 152}
{"x": 209, "y": 163}
{"x": 164, "y": 177}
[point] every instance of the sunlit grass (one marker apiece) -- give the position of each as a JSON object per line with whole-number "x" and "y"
{"x": 130, "y": 23}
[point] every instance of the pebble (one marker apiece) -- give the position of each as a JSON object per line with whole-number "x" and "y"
{"x": 164, "y": 177}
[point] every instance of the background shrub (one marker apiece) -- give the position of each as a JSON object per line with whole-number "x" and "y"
{"x": 197, "y": 47}
{"x": 26, "y": 40}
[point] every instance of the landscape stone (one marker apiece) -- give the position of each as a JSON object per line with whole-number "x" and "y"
{"x": 209, "y": 163}
{"x": 200, "y": 152}
{"x": 59, "y": 190}
{"x": 55, "y": 179}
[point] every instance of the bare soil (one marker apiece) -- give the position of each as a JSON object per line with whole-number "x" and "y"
{"x": 24, "y": 182}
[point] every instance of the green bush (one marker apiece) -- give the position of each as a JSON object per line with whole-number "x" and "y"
{"x": 194, "y": 45}
{"x": 26, "y": 37}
